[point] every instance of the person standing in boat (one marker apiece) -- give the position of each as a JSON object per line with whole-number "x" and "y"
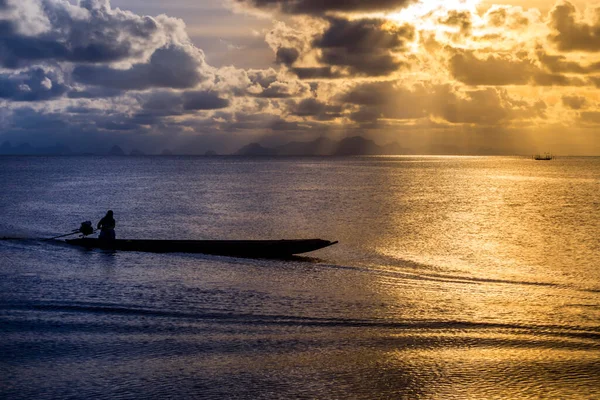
{"x": 107, "y": 227}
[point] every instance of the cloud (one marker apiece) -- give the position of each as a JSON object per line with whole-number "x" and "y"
{"x": 366, "y": 46}
{"x": 560, "y": 64}
{"x": 317, "y": 72}
{"x": 321, "y": 7}
{"x": 514, "y": 18}
{"x": 590, "y": 117}
{"x": 391, "y": 100}
{"x": 494, "y": 70}
{"x": 31, "y": 85}
{"x": 460, "y": 19}
{"x": 152, "y": 52}
{"x": 312, "y": 107}
{"x": 203, "y": 100}
{"x": 92, "y": 74}
{"x": 572, "y": 33}
{"x": 478, "y": 106}
{"x": 503, "y": 69}
{"x": 545, "y": 79}
{"x": 262, "y": 83}
{"x": 282, "y": 90}
{"x": 388, "y": 100}
{"x": 264, "y": 78}
{"x": 93, "y": 32}
{"x": 287, "y": 55}
{"x": 168, "y": 103}
{"x": 170, "y": 67}
{"x": 343, "y": 48}
{"x": 574, "y": 102}
{"x": 94, "y": 93}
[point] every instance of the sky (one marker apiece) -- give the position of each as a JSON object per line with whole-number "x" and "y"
{"x": 439, "y": 76}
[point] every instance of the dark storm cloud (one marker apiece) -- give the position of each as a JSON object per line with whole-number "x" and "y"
{"x": 361, "y": 34}
{"x": 98, "y": 35}
{"x": 162, "y": 103}
{"x": 203, "y": 100}
{"x": 320, "y": 7}
{"x": 316, "y": 72}
{"x": 366, "y": 46}
{"x": 287, "y": 56}
{"x": 571, "y": 34}
{"x": 94, "y": 93}
{"x": 32, "y": 85}
{"x": 345, "y": 48}
{"x": 17, "y": 51}
{"x": 366, "y": 115}
{"x": 166, "y": 103}
{"x": 172, "y": 67}
{"x": 312, "y": 107}
{"x": 90, "y": 36}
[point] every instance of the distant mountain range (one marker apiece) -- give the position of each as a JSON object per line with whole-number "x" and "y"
{"x": 27, "y": 149}
{"x": 352, "y": 146}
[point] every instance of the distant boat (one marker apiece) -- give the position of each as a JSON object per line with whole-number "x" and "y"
{"x": 544, "y": 157}
{"x": 232, "y": 248}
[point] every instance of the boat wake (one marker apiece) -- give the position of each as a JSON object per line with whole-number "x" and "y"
{"x": 142, "y": 319}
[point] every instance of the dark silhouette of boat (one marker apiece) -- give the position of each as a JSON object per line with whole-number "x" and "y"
{"x": 544, "y": 157}
{"x": 232, "y": 248}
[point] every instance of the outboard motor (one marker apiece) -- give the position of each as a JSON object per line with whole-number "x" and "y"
{"x": 86, "y": 228}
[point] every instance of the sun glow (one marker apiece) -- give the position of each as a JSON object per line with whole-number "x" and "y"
{"x": 420, "y": 13}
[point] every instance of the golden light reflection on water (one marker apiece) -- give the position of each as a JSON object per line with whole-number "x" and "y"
{"x": 502, "y": 373}
{"x": 486, "y": 240}
{"x": 478, "y": 219}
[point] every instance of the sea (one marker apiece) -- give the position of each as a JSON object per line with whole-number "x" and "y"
{"x": 453, "y": 278}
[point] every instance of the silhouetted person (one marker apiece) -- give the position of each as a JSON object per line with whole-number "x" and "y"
{"x": 107, "y": 227}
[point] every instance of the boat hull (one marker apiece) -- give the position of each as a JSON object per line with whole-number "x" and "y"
{"x": 233, "y": 248}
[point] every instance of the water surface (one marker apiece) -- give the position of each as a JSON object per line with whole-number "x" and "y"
{"x": 455, "y": 277}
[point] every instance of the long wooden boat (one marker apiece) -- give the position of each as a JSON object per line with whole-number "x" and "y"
{"x": 233, "y": 248}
